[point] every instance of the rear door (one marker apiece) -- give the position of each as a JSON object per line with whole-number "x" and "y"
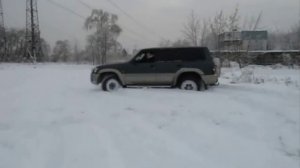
{"x": 167, "y": 64}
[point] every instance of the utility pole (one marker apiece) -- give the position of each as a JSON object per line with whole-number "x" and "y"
{"x": 33, "y": 42}
{"x": 3, "y": 46}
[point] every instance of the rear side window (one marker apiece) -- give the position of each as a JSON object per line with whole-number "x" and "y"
{"x": 193, "y": 54}
{"x": 182, "y": 54}
{"x": 167, "y": 55}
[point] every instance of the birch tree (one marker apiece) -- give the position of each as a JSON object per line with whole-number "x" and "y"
{"x": 106, "y": 32}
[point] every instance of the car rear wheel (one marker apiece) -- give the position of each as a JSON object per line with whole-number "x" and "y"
{"x": 110, "y": 83}
{"x": 190, "y": 83}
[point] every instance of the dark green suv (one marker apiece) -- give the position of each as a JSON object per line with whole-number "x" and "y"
{"x": 189, "y": 68}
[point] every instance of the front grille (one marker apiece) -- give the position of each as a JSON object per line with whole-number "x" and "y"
{"x": 94, "y": 78}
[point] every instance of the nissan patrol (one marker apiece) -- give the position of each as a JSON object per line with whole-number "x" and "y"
{"x": 190, "y": 68}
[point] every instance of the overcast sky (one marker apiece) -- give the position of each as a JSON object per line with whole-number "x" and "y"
{"x": 156, "y": 18}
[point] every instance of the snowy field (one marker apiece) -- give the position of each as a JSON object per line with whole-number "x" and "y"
{"x": 51, "y": 116}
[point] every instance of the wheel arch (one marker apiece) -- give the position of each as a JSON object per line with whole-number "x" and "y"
{"x": 105, "y": 72}
{"x": 187, "y": 72}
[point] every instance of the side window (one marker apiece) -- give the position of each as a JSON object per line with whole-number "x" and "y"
{"x": 168, "y": 56}
{"x": 139, "y": 57}
{"x": 149, "y": 57}
{"x": 145, "y": 57}
{"x": 192, "y": 54}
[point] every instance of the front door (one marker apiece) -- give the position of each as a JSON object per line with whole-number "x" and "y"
{"x": 141, "y": 70}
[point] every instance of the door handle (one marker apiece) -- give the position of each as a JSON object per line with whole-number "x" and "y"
{"x": 152, "y": 66}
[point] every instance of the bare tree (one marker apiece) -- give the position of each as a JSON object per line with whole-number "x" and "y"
{"x": 204, "y": 33}
{"x": 192, "y": 29}
{"x": 296, "y": 35}
{"x": 247, "y": 58}
{"x": 234, "y": 20}
{"x": 46, "y": 49}
{"x": 248, "y": 23}
{"x": 181, "y": 43}
{"x": 218, "y": 26}
{"x": 290, "y": 40}
{"x": 76, "y": 53}
{"x": 233, "y": 27}
{"x": 15, "y": 44}
{"x": 61, "y": 51}
{"x": 91, "y": 50}
{"x": 107, "y": 31}
{"x": 165, "y": 43}
{"x": 177, "y": 43}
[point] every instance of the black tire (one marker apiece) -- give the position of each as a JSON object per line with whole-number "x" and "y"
{"x": 203, "y": 86}
{"x": 190, "y": 83}
{"x": 110, "y": 83}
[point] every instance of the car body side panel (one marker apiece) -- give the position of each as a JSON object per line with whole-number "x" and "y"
{"x": 161, "y": 72}
{"x": 143, "y": 73}
{"x": 148, "y": 79}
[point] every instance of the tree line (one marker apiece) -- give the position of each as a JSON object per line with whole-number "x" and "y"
{"x": 205, "y": 32}
{"x": 102, "y": 42}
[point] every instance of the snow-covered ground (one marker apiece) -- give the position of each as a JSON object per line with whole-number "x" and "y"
{"x": 52, "y": 117}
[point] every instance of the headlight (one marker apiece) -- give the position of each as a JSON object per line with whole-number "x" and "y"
{"x": 95, "y": 70}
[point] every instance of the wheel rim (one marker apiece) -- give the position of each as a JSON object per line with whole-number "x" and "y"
{"x": 112, "y": 85}
{"x": 188, "y": 85}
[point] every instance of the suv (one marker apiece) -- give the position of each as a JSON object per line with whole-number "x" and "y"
{"x": 189, "y": 68}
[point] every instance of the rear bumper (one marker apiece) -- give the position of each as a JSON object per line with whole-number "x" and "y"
{"x": 94, "y": 78}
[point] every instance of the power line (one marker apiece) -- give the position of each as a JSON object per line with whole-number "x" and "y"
{"x": 86, "y": 5}
{"x": 55, "y": 28}
{"x": 133, "y": 32}
{"x": 91, "y": 8}
{"x": 126, "y": 28}
{"x": 66, "y": 9}
{"x": 70, "y": 11}
{"x": 133, "y": 19}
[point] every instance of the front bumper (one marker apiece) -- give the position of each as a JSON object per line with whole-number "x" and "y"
{"x": 94, "y": 78}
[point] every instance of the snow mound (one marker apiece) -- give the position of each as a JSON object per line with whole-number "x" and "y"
{"x": 275, "y": 74}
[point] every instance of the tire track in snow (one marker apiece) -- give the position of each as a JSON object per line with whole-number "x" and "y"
{"x": 56, "y": 157}
{"x": 251, "y": 88}
{"x": 114, "y": 157}
{"x": 263, "y": 107}
{"x": 174, "y": 145}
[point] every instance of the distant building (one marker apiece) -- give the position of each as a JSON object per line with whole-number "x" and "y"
{"x": 243, "y": 40}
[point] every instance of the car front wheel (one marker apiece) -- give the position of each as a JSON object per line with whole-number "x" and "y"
{"x": 110, "y": 83}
